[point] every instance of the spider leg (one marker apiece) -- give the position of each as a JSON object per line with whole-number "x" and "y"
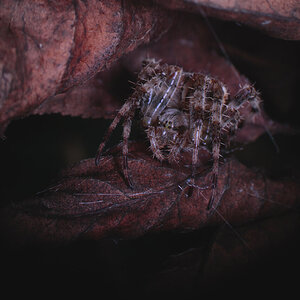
{"x": 129, "y": 105}
{"x": 176, "y": 148}
{"x": 197, "y": 138}
{"x": 217, "y": 120}
{"x": 248, "y": 94}
{"x": 197, "y": 109}
{"x": 232, "y": 123}
{"x": 154, "y": 145}
{"x": 215, "y": 171}
{"x": 126, "y": 134}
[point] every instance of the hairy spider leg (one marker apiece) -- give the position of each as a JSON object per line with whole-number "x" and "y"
{"x": 126, "y": 134}
{"x": 178, "y": 145}
{"x": 248, "y": 94}
{"x": 129, "y": 105}
{"x": 154, "y": 144}
{"x": 232, "y": 123}
{"x": 197, "y": 139}
{"x": 197, "y": 107}
{"x": 217, "y": 118}
{"x": 197, "y": 110}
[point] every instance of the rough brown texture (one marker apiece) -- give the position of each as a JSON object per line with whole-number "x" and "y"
{"x": 48, "y": 47}
{"x": 95, "y": 202}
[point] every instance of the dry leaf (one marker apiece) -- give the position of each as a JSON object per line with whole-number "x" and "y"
{"x": 96, "y": 202}
{"x": 48, "y": 47}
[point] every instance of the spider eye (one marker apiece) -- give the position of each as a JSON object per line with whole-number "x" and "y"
{"x": 168, "y": 124}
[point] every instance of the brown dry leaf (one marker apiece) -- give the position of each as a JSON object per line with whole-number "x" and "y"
{"x": 48, "y": 47}
{"x": 95, "y": 202}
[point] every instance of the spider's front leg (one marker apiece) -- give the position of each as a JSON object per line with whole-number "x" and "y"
{"x": 123, "y": 112}
{"x": 247, "y": 94}
{"x": 126, "y": 134}
{"x": 196, "y": 138}
{"x": 217, "y": 121}
{"x": 195, "y": 156}
{"x": 180, "y": 143}
{"x": 154, "y": 144}
{"x": 127, "y": 112}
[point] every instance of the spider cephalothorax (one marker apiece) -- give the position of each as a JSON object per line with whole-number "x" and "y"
{"x": 182, "y": 111}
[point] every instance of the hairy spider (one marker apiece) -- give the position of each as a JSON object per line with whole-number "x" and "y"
{"x": 182, "y": 111}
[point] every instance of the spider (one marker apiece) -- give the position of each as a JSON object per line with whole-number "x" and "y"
{"x": 182, "y": 111}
